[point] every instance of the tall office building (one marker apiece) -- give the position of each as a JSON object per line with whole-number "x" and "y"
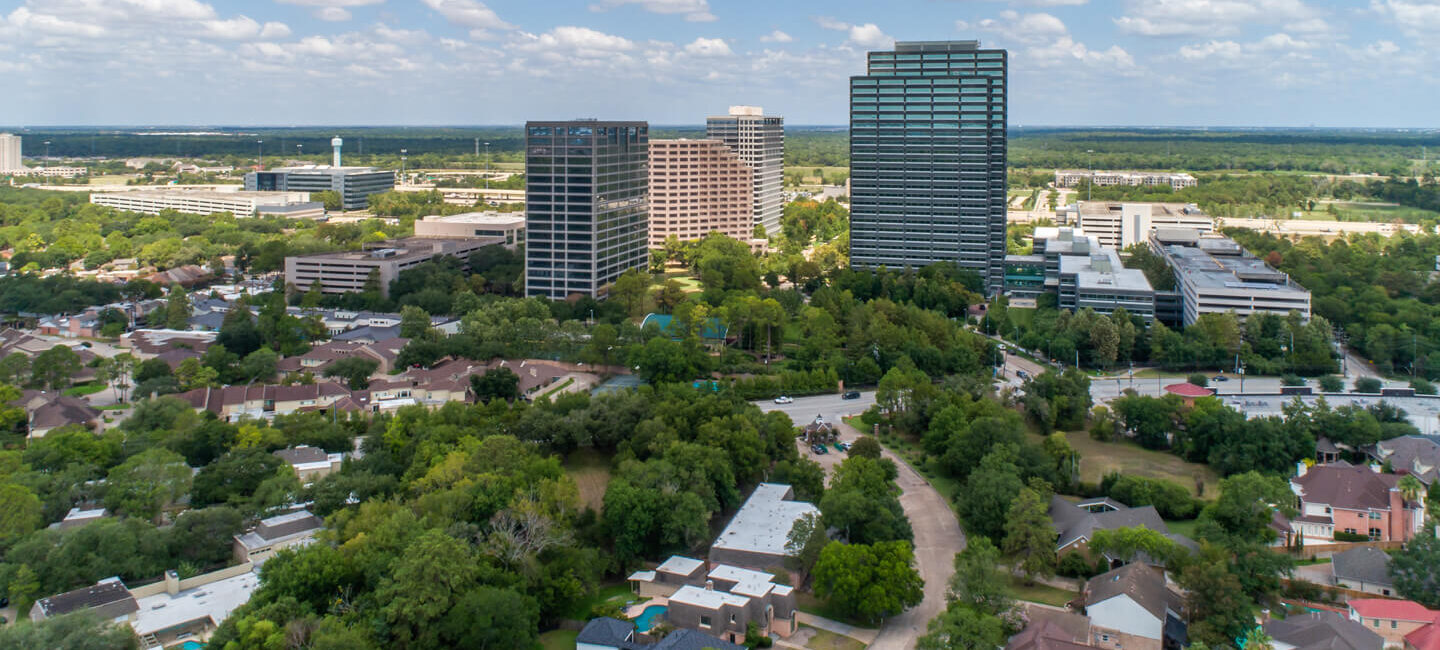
{"x": 698, "y": 187}
{"x": 759, "y": 141}
{"x": 587, "y": 205}
{"x": 10, "y": 154}
{"x": 927, "y": 158}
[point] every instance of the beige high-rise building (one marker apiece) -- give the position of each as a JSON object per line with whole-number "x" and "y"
{"x": 759, "y": 140}
{"x": 697, "y": 187}
{"x": 10, "y": 154}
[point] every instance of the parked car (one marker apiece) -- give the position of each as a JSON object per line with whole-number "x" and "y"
{"x": 851, "y": 394}
{"x": 844, "y": 446}
{"x": 819, "y": 449}
{"x": 1022, "y": 374}
{"x": 784, "y": 399}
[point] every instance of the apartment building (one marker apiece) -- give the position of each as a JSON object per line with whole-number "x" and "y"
{"x": 1214, "y": 275}
{"x": 1073, "y": 177}
{"x": 758, "y": 140}
{"x": 348, "y": 271}
{"x": 10, "y": 161}
{"x": 240, "y": 204}
{"x": 698, "y": 187}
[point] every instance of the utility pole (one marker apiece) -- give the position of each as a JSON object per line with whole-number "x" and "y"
{"x": 477, "y": 147}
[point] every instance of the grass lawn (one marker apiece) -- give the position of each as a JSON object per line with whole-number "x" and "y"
{"x": 1366, "y": 211}
{"x": 617, "y": 594}
{"x": 1184, "y": 527}
{"x": 1038, "y": 593}
{"x": 558, "y": 640}
{"x": 591, "y": 471}
{"x": 826, "y": 640}
{"x": 808, "y": 603}
{"x": 688, "y": 283}
{"x": 1100, "y": 458}
{"x": 81, "y": 390}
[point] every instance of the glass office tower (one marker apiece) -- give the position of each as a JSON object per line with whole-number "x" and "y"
{"x": 587, "y": 205}
{"x": 927, "y": 158}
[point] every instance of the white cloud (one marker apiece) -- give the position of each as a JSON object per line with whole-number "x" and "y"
{"x": 469, "y": 13}
{"x": 25, "y": 19}
{"x": 1045, "y": 43}
{"x": 708, "y": 47}
{"x": 335, "y": 11}
{"x": 1214, "y": 17}
{"x": 1416, "y": 18}
{"x": 581, "y": 42}
{"x": 695, "y": 11}
{"x": 868, "y": 36}
{"x": 333, "y": 14}
{"x": 273, "y": 30}
{"x": 776, "y": 36}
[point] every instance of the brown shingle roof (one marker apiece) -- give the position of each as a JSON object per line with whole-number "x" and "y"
{"x": 1351, "y": 488}
{"x": 1143, "y": 584}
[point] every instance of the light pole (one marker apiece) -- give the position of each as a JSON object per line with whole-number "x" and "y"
{"x": 487, "y": 165}
{"x": 47, "y": 150}
{"x": 260, "y": 154}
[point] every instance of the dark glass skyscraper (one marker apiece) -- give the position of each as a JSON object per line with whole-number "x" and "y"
{"x": 587, "y": 205}
{"x": 927, "y": 158}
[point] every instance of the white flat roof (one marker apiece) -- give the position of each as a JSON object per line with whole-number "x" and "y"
{"x": 764, "y": 522}
{"x": 642, "y": 576}
{"x": 680, "y": 565}
{"x": 215, "y": 601}
{"x": 748, "y": 583}
{"x": 707, "y": 598}
{"x": 484, "y": 218}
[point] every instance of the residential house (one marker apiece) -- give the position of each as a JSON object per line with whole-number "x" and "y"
{"x": 614, "y": 634}
{"x": 1076, "y": 522}
{"x": 1050, "y": 629}
{"x": 383, "y": 353}
{"x": 149, "y": 343}
{"x": 1418, "y": 456}
{"x": 1355, "y": 500}
{"x": 310, "y": 463}
{"x": 78, "y": 517}
{"x": 231, "y": 403}
{"x": 1320, "y": 630}
{"x": 1363, "y": 569}
{"x": 1393, "y": 620}
{"x": 755, "y": 537}
{"x": 1132, "y": 608}
{"x": 191, "y": 609}
{"x": 47, "y": 411}
{"x": 723, "y": 600}
{"x": 274, "y": 534}
{"x": 1425, "y": 638}
{"x": 106, "y": 600}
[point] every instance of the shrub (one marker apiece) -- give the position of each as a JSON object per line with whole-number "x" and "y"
{"x": 1170, "y": 499}
{"x": 1075, "y": 565}
{"x": 1367, "y": 385}
{"x": 1289, "y": 379}
{"x": 1422, "y": 386}
{"x": 1332, "y": 384}
{"x": 1199, "y": 379}
{"x": 1342, "y": 536}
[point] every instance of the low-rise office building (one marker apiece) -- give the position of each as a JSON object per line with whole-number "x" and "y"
{"x": 353, "y": 184}
{"x": 1073, "y": 177}
{"x": 348, "y": 271}
{"x": 1121, "y": 225}
{"x": 1081, "y": 272}
{"x": 1215, "y": 275}
{"x": 241, "y": 204}
{"x": 58, "y": 172}
{"x": 509, "y": 226}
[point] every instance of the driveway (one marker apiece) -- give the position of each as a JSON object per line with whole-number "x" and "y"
{"x": 937, "y": 532}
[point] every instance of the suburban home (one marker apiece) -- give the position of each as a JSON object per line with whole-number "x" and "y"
{"x": 1076, "y": 522}
{"x": 47, "y": 411}
{"x": 274, "y": 534}
{"x": 1425, "y": 638}
{"x": 1418, "y": 456}
{"x": 1050, "y": 629}
{"x": 1356, "y": 500}
{"x": 191, "y": 609}
{"x": 719, "y": 599}
{"x": 78, "y": 517}
{"x": 1132, "y": 608}
{"x": 615, "y": 634}
{"x": 107, "y": 600}
{"x": 1393, "y": 619}
{"x": 1363, "y": 569}
{"x": 755, "y": 538}
{"x": 310, "y": 463}
{"x": 1321, "y": 631}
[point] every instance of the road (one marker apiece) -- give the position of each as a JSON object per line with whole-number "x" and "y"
{"x": 937, "y": 532}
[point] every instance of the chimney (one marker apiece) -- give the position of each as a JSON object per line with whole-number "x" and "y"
{"x": 172, "y": 582}
{"x": 1300, "y": 469}
{"x": 1397, "y": 515}
{"x": 709, "y": 585}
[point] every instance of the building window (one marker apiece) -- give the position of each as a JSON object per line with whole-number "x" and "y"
{"x": 1375, "y": 533}
{"x": 1394, "y": 624}
{"x": 1374, "y": 515}
{"x": 705, "y": 621}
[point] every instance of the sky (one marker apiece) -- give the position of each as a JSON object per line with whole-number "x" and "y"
{"x": 1361, "y": 63}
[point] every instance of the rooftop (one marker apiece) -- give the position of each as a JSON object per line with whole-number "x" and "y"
{"x": 1187, "y": 389}
{"x": 707, "y": 598}
{"x": 325, "y": 169}
{"x": 481, "y": 218}
{"x": 1403, "y": 610}
{"x": 681, "y": 566}
{"x": 764, "y": 522}
{"x": 214, "y": 601}
{"x": 401, "y": 250}
{"x": 1219, "y": 263}
{"x": 109, "y": 596}
{"x": 1364, "y": 564}
{"x": 263, "y": 198}
{"x": 1323, "y": 631}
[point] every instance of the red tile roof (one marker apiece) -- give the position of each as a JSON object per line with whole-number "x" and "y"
{"x": 1187, "y": 389}
{"x": 1400, "y": 610}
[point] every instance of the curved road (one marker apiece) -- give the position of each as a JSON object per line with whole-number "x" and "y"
{"x": 937, "y": 532}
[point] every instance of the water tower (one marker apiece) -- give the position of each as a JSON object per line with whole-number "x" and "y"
{"x": 336, "y": 142}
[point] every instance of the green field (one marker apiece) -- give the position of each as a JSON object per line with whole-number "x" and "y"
{"x": 590, "y": 470}
{"x": 617, "y": 594}
{"x": 558, "y": 640}
{"x": 1367, "y": 211}
{"x": 1038, "y": 593}
{"x": 826, "y": 640}
{"x": 1100, "y": 458}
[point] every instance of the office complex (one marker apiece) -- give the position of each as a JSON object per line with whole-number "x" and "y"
{"x": 1214, "y": 275}
{"x": 927, "y": 158}
{"x": 240, "y": 204}
{"x": 1121, "y": 225}
{"x": 10, "y": 162}
{"x": 1073, "y": 177}
{"x": 587, "y": 205}
{"x": 698, "y": 187}
{"x": 348, "y": 271}
{"x": 759, "y": 141}
{"x": 508, "y": 226}
{"x": 353, "y": 184}
{"x": 1081, "y": 272}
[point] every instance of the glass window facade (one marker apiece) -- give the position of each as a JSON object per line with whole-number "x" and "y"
{"x": 927, "y": 158}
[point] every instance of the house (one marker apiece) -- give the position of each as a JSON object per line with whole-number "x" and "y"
{"x": 310, "y": 463}
{"x": 1393, "y": 620}
{"x": 1353, "y": 500}
{"x": 1326, "y": 452}
{"x": 818, "y": 431}
{"x": 1075, "y": 523}
{"x": 1319, "y": 630}
{"x": 106, "y": 600}
{"x": 755, "y": 537}
{"x": 1132, "y": 608}
{"x": 719, "y": 599}
{"x": 78, "y": 517}
{"x": 1418, "y": 456}
{"x": 614, "y": 634}
{"x": 1363, "y": 569}
{"x": 1050, "y": 629}
{"x": 1425, "y": 638}
{"x": 190, "y": 609}
{"x": 274, "y": 534}
{"x": 47, "y": 411}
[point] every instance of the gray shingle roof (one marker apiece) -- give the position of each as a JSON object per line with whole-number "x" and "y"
{"x": 1143, "y": 584}
{"x": 1323, "y": 631}
{"x": 1073, "y": 522}
{"x": 1363, "y": 564}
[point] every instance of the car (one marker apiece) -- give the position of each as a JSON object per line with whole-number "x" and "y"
{"x": 819, "y": 450}
{"x": 851, "y": 394}
{"x": 844, "y": 446}
{"x": 784, "y": 399}
{"x": 1219, "y": 378}
{"x": 1022, "y": 374}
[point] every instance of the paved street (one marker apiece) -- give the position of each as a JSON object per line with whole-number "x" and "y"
{"x": 937, "y": 532}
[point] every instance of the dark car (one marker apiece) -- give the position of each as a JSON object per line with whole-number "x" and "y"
{"x": 851, "y": 394}
{"x": 1022, "y": 374}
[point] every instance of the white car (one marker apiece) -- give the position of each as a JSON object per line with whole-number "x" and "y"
{"x": 784, "y": 399}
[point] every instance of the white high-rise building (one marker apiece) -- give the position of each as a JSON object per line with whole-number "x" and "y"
{"x": 759, "y": 141}
{"x": 10, "y": 154}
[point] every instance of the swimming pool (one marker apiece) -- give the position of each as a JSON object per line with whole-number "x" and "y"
{"x": 646, "y": 620}
{"x": 192, "y": 645}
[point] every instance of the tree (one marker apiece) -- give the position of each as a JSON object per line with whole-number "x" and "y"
{"x": 1128, "y": 544}
{"x": 355, "y": 371}
{"x": 1416, "y": 571}
{"x": 15, "y": 369}
{"x": 1246, "y": 505}
{"x": 866, "y": 446}
{"x": 425, "y": 582}
{"x": 985, "y": 502}
{"x": 78, "y": 631}
{"x": 192, "y": 374}
{"x": 962, "y": 628}
{"x": 1367, "y": 385}
{"x": 1331, "y": 384}
{"x": 55, "y": 367}
{"x": 1029, "y": 535}
{"x": 978, "y": 583}
{"x": 414, "y": 322}
{"x": 195, "y": 533}
{"x": 861, "y": 502}
{"x": 116, "y": 371}
{"x": 629, "y": 289}
{"x": 490, "y": 617}
{"x": 1216, "y": 605}
{"x": 147, "y": 482}
{"x": 177, "y": 309}
{"x": 330, "y": 198}
{"x": 869, "y": 582}
{"x": 21, "y": 513}
{"x": 804, "y": 543}
{"x": 234, "y": 477}
{"x": 499, "y": 383}
{"x": 260, "y": 365}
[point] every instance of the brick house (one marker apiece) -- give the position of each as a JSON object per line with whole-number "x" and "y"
{"x": 1352, "y": 499}
{"x": 1393, "y": 620}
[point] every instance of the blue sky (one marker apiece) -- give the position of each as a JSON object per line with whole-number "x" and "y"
{"x": 1363, "y": 63}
